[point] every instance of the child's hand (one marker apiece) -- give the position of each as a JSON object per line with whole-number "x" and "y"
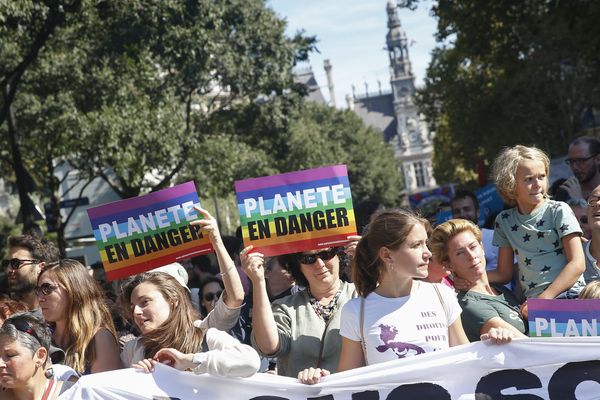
{"x": 524, "y": 310}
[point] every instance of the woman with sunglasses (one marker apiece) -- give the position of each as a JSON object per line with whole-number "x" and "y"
{"x": 209, "y": 292}
{"x": 396, "y": 315}
{"x": 72, "y": 302}
{"x": 162, "y": 310}
{"x": 24, "y": 344}
{"x": 301, "y": 330}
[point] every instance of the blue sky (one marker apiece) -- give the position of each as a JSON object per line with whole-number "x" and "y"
{"x": 351, "y": 34}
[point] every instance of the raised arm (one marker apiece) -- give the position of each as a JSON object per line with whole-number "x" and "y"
{"x": 234, "y": 291}
{"x": 264, "y": 329}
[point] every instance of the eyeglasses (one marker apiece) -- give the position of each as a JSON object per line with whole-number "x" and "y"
{"x": 24, "y": 326}
{"x": 593, "y": 201}
{"x": 208, "y": 297}
{"x": 324, "y": 255}
{"x": 45, "y": 289}
{"x": 15, "y": 263}
{"x": 578, "y": 161}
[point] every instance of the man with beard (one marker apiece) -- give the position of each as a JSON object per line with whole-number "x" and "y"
{"x": 26, "y": 257}
{"x": 584, "y": 159}
{"x": 466, "y": 206}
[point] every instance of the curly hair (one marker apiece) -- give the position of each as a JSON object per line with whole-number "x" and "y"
{"x": 504, "y": 169}
{"x": 40, "y": 249}
{"x": 178, "y": 330}
{"x": 388, "y": 228}
{"x": 438, "y": 240}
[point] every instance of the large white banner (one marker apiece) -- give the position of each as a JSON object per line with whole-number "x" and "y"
{"x": 526, "y": 369}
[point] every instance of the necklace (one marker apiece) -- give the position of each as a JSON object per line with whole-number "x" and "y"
{"x": 324, "y": 311}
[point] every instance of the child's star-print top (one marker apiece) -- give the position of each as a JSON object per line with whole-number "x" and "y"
{"x": 536, "y": 240}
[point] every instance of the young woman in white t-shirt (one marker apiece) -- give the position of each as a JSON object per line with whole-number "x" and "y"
{"x": 396, "y": 315}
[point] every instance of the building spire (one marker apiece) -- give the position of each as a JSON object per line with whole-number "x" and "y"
{"x": 397, "y": 44}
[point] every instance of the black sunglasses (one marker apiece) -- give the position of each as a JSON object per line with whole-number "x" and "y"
{"x": 24, "y": 326}
{"x": 45, "y": 289}
{"x": 208, "y": 297}
{"x": 15, "y": 263}
{"x": 324, "y": 255}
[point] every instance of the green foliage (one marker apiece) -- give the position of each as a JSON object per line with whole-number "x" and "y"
{"x": 509, "y": 72}
{"x": 285, "y": 134}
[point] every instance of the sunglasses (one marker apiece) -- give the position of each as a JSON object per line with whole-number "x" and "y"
{"x": 15, "y": 263}
{"x": 45, "y": 289}
{"x": 324, "y": 255}
{"x": 24, "y": 326}
{"x": 208, "y": 297}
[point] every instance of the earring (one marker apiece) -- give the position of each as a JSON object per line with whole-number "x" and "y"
{"x": 391, "y": 266}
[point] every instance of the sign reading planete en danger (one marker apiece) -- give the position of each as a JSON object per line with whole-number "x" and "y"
{"x": 560, "y": 317}
{"x": 145, "y": 232}
{"x": 296, "y": 211}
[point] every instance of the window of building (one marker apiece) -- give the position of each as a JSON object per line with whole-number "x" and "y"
{"x": 419, "y": 174}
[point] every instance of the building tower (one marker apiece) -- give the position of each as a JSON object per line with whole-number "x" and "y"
{"x": 412, "y": 139}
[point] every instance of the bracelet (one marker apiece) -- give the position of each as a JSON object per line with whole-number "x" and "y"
{"x": 228, "y": 270}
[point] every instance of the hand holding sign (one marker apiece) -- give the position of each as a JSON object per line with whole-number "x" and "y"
{"x": 253, "y": 265}
{"x": 208, "y": 223}
{"x": 350, "y": 248}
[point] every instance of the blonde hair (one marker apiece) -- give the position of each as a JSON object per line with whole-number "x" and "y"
{"x": 591, "y": 291}
{"x": 178, "y": 330}
{"x": 441, "y": 235}
{"x": 86, "y": 311}
{"x": 504, "y": 169}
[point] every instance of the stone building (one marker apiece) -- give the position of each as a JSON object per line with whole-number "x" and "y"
{"x": 395, "y": 113}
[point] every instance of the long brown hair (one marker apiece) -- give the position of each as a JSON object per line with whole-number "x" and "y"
{"x": 388, "y": 228}
{"x": 86, "y": 311}
{"x": 178, "y": 330}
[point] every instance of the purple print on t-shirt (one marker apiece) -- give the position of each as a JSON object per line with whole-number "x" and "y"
{"x": 388, "y": 334}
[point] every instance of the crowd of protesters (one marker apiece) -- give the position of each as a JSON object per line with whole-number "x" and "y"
{"x": 400, "y": 289}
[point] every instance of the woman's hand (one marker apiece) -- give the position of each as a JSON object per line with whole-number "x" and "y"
{"x": 350, "y": 248}
{"x": 311, "y": 375}
{"x": 498, "y": 335}
{"x": 208, "y": 224}
{"x": 253, "y": 264}
{"x": 174, "y": 358}
{"x": 146, "y": 365}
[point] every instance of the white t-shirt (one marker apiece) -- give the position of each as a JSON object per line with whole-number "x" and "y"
{"x": 402, "y": 326}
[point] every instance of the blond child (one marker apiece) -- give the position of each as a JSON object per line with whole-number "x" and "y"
{"x": 591, "y": 291}
{"x": 542, "y": 234}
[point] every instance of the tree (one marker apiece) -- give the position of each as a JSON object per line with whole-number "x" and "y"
{"x": 285, "y": 134}
{"x": 130, "y": 86}
{"x": 508, "y": 73}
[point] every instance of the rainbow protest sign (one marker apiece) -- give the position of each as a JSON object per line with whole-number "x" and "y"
{"x": 145, "y": 232}
{"x": 559, "y": 318}
{"x": 296, "y": 211}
